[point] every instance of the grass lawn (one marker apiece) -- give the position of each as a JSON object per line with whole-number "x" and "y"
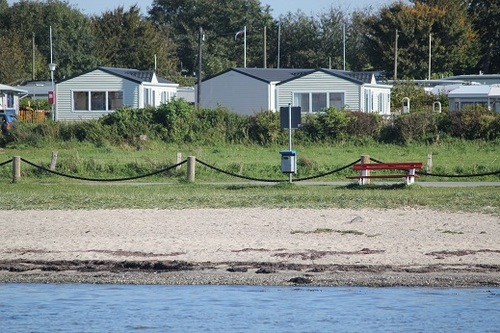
{"x": 39, "y": 190}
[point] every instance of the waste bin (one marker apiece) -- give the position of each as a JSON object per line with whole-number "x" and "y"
{"x": 288, "y": 161}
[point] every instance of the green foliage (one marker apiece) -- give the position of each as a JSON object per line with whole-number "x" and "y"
{"x": 264, "y": 128}
{"x": 474, "y": 123}
{"x": 212, "y": 126}
{"x": 363, "y": 124}
{"x": 71, "y": 31}
{"x": 484, "y": 15}
{"x": 454, "y": 43}
{"x": 220, "y": 21}
{"x": 328, "y": 126}
{"x": 175, "y": 119}
{"x": 416, "y": 126}
{"x": 124, "y": 39}
{"x": 179, "y": 122}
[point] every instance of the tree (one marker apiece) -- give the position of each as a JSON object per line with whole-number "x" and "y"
{"x": 125, "y": 39}
{"x": 454, "y": 46}
{"x": 485, "y": 16}
{"x": 220, "y": 20}
{"x": 72, "y": 38}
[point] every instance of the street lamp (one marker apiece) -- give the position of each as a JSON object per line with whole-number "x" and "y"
{"x": 52, "y": 68}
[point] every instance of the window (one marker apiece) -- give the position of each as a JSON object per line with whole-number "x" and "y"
{"x": 336, "y": 100}
{"x": 302, "y": 100}
{"x": 318, "y": 101}
{"x": 147, "y": 97}
{"x": 10, "y": 100}
{"x": 115, "y": 100}
{"x": 97, "y": 100}
{"x": 81, "y": 100}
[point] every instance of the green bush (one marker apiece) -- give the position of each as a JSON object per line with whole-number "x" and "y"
{"x": 471, "y": 124}
{"x": 174, "y": 121}
{"x": 264, "y": 128}
{"x": 179, "y": 122}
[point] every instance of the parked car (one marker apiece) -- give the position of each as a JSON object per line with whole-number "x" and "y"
{"x": 7, "y": 119}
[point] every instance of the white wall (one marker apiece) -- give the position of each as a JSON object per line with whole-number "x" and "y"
{"x": 320, "y": 82}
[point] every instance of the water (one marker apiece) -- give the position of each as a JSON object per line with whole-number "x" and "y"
{"x": 132, "y": 308}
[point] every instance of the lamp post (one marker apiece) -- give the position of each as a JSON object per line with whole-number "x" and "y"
{"x": 52, "y": 68}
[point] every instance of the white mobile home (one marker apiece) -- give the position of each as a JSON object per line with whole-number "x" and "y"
{"x": 324, "y": 88}
{"x": 9, "y": 98}
{"x": 104, "y": 89}
{"x": 250, "y": 90}
{"x": 464, "y": 96}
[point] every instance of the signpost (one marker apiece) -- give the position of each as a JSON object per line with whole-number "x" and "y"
{"x": 290, "y": 118}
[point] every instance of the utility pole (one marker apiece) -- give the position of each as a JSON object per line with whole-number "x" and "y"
{"x": 279, "y": 44}
{"x": 430, "y": 54}
{"x": 200, "y": 63}
{"x": 245, "y": 47}
{"x": 33, "y": 42}
{"x": 343, "y": 41}
{"x": 396, "y": 57}
{"x": 265, "y": 47}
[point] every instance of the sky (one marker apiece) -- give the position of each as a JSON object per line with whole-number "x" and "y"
{"x": 310, "y": 7}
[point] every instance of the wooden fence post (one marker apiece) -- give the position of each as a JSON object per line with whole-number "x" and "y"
{"x": 178, "y": 160}
{"x": 191, "y": 162}
{"x": 365, "y": 159}
{"x": 53, "y": 161}
{"x": 429, "y": 163}
{"x": 16, "y": 169}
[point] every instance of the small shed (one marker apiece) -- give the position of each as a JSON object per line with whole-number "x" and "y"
{"x": 485, "y": 95}
{"x": 105, "y": 89}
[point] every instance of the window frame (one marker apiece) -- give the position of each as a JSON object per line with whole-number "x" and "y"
{"x": 310, "y": 102}
{"x": 106, "y": 102}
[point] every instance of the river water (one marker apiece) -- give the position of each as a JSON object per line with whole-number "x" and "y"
{"x": 152, "y": 308}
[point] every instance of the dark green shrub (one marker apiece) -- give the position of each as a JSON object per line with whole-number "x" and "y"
{"x": 415, "y": 126}
{"x": 211, "y": 126}
{"x": 363, "y": 124}
{"x": 264, "y": 128}
{"x": 331, "y": 125}
{"x": 126, "y": 125}
{"x": 174, "y": 120}
{"x": 471, "y": 124}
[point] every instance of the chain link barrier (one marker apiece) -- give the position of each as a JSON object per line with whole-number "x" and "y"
{"x": 274, "y": 180}
{"x": 429, "y": 174}
{"x": 104, "y": 180}
{"x": 421, "y": 173}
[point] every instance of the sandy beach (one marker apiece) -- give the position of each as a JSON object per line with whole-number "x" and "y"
{"x": 366, "y": 247}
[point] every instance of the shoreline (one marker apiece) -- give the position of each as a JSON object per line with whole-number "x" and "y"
{"x": 245, "y": 274}
{"x": 252, "y": 246}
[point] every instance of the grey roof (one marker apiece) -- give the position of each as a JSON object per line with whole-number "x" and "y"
{"x": 283, "y": 75}
{"x": 362, "y": 77}
{"x": 37, "y": 89}
{"x": 270, "y": 74}
{"x": 133, "y": 74}
{"x": 8, "y": 89}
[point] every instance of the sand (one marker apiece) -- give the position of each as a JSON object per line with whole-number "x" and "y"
{"x": 366, "y": 247}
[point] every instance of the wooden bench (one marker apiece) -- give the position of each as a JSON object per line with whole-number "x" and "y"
{"x": 408, "y": 177}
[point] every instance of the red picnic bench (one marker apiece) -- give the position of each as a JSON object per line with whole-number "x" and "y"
{"x": 365, "y": 168}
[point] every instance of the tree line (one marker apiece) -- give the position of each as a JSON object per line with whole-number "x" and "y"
{"x": 461, "y": 36}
